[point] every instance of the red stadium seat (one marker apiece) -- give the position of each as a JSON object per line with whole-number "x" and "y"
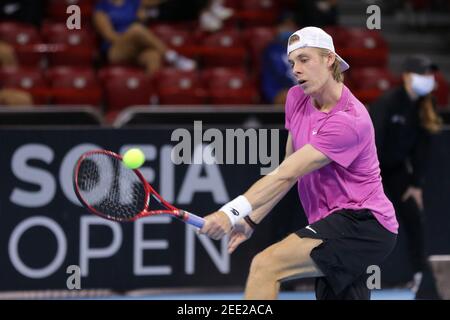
{"x": 72, "y": 47}
{"x": 258, "y": 13}
{"x": 362, "y": 48}
{"x": 59, "y": 33}
{"x": 369, "y": 78}
{"x": 230, "y": 86}
{"x": 339, "y": 35}
{"x": 177, "y": 38}
{"x": 257, "y": 38}
{"x": 369, "y": 83}
{"x": 234, "y": 4}
{"x": 125, "y": 87}
{"x": 442, "y": 90}
{"x": 172, "y": 36}
{"x": 32, "y": 55}
{"x": 224, "y": 48}
{"x": 19, "y": 34}
{"x": 26, "y": 41}
{"x": 63, "y": 55}
{"x": 74, "y": 86}
{"x": 27, "y": 79}
{"x": 271, "y": 5}
{"x": 24, "y": 78}
{"x": 226, "y": 78}
{"x": 179, "y": 87}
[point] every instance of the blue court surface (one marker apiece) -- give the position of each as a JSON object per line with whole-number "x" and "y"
{"x": 386, "y": 294}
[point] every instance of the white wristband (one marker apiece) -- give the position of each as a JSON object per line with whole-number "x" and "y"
{"x": 237, "y": 209}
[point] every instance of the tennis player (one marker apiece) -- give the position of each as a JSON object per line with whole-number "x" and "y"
{"x": 331, "y": 153}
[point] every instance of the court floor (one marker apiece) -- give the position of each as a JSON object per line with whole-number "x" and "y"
{"x": 387, "y": 294}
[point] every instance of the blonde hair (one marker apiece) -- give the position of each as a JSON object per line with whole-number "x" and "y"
{"x": 429, "y": 118}
{"x": 335, "y": 67}
{"x": 293, "y": 38}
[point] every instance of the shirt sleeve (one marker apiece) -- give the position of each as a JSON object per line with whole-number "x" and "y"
{"x": 338, "y": 140}
{"x": 289, "y": 109}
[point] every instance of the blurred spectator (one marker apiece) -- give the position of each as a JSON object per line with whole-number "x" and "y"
{"x": 317, "y": 13}
{"x": 209, "y": 13}
{"x": 11, "y": 97}
{"x": 170, "y": 10}
{"x": 126, "y": 40}
{"x": 404, "y": 120}
{"x": 212, "y": 17}
{"x": 7, "y": 55}
{"x": 14, "y": 97}
{"x": 25, "y": 11}
{"x": 277, "y": 76}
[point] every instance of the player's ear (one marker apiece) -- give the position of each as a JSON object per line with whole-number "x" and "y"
{"x": 331, "y": 58}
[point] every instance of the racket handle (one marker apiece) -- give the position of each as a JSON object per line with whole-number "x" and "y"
{"x": 194, "y": 220}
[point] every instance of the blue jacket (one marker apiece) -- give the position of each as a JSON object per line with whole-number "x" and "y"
{"x": 276, "y": 71}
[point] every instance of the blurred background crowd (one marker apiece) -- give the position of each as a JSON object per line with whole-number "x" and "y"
{"x": 203, "y": 52}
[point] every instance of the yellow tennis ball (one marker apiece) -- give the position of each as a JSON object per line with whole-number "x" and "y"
{"x": 134, "y": 158}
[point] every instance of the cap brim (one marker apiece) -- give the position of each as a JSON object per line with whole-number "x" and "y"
{"x": 344, "y": 65}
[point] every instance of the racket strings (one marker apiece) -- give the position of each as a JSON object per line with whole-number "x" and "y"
{"x": 110, "y": 188}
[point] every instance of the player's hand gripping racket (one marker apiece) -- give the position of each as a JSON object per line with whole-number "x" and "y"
{"x": 109, "y": 189}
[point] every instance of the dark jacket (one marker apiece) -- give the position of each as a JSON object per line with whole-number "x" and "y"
{"x": 400, "y": 139}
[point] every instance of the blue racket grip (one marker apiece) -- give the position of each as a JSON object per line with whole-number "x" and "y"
{"x": 194, "y": 220}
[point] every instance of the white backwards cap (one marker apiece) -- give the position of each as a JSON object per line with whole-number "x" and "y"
{"x": 316, "y": 38}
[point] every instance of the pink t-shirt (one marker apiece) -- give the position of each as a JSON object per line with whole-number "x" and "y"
{"x": 346, "y": 136}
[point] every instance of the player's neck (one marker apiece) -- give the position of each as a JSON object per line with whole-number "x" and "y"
{"x": 328, "y": 96}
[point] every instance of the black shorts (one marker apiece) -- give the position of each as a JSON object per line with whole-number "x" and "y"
{"x": 352, "y": 241}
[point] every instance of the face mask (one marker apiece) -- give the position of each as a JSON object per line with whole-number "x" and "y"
{"x": 422, "y": 85}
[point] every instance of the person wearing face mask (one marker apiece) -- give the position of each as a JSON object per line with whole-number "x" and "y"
{"x": 404, "y": 121}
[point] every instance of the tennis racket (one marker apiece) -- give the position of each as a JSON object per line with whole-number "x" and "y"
{"x": 109, "y": 189}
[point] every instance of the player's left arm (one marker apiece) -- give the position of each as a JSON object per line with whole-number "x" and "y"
{"x": 298, "y": 164}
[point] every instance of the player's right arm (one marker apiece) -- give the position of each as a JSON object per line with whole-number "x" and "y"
{"x": 259, "y": 214}
{"x": 242, "y": 231}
